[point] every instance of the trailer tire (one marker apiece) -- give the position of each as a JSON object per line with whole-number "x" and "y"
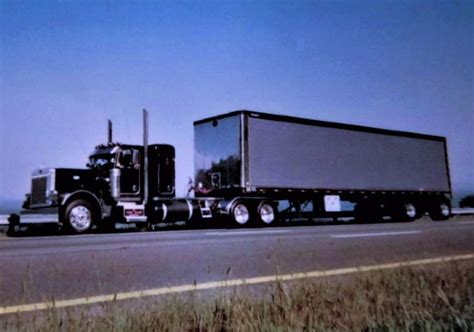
{"x": 267, "y": 213}
{"x": 440, "y": 211}
{"x": 406, "y": 212}
{"x": 79, "y": 216}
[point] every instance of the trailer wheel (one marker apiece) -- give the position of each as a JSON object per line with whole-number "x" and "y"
{"x": 440, "y": 211}
{"x": 240, "y": 214}
{"x": 405, "y": 212}
{"x": 79, "y": 216}
{"x": 267, "y": 213}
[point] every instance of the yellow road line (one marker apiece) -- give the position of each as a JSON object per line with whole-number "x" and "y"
{"x": 224, "y": 283}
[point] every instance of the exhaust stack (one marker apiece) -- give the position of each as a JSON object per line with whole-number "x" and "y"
{"x": 109, "y": 132}
{"x": 145, "y": 155}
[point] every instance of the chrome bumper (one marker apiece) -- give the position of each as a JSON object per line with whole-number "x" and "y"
{"x": 39, "y": 216}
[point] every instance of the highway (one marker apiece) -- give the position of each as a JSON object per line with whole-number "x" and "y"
{"x": 40, "y": 268}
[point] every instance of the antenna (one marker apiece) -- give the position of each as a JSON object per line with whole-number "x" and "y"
{"x": 109, "y": 131}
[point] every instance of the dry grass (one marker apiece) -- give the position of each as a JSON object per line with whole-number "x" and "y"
{"x": 431, "y": 298}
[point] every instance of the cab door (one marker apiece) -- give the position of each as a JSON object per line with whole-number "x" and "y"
{"x": 161, "y": 173}
{"x": 166, "y": 175}
{"x": 129, "y": 164}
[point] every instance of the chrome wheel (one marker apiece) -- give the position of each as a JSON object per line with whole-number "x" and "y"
{"x": 266, "y": 213}
{"x": 80, "y": 218}
{"x": 445, "y": 210}
{"x": 241, "y": 214}
{"x": 440, "y": 211}
{"x": 410, "y": 211}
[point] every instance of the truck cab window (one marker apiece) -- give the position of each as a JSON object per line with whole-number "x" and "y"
{"x": 102, "y": 162}
{"x": 126, "y": 159}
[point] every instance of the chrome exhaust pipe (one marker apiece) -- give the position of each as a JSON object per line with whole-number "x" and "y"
{"x": 109, "y": 132}
{"x": 145, "y": 155}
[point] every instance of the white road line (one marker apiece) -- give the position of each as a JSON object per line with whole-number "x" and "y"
{"x": 344, "y": 236}
{"x": 224, "y": 233}
{"x": 223, "y": 284}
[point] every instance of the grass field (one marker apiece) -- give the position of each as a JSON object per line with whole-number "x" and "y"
{"x": 439, "y": 297}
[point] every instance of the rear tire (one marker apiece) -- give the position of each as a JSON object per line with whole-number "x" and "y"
{"x": 79, "y": 216}
{"x": 406, "y": 212}
{"x": 267, "y": 213}
{"x": 240, "y": 214}
{"x": 440, "y": 211}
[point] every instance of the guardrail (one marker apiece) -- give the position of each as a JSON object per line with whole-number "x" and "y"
{"x": 4, "y": 219}
{"x": 462, "y": 211}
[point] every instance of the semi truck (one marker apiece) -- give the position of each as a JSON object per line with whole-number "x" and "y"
{"x": 251, "y": 168}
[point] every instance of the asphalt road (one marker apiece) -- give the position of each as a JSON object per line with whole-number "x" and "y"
{"x": 41, "y": 268}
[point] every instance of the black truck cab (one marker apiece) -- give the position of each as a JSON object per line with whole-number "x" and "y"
{"x": 128, "y": 162}
{"x": 113, "y": 182}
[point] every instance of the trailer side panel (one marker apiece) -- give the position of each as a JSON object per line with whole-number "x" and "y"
{"x": 283, "y": 154}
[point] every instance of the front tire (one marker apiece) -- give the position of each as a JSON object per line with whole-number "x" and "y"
{"x": 79, "y": 216}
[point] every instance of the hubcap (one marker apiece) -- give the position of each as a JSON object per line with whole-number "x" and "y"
{"x": 444, "y": 209}
{"x": 80, "y": 217}
{"x": 267, "y": 214}
{"x": 410, "y": 210}
{"x": 241, "y": 214}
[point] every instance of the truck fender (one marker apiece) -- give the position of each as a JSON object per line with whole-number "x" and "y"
{"x": 225, "y": 206}
{"x": 83, "y": 194}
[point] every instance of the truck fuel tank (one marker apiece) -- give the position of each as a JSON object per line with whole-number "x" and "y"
{"x": 171, "y": 210}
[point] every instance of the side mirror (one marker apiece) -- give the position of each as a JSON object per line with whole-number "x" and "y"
{"x": 89, "y": 165}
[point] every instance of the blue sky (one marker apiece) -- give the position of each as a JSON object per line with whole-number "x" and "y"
{"x": 68, "y": 66}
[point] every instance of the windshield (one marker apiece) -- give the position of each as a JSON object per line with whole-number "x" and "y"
{"x": 102, "y": 161}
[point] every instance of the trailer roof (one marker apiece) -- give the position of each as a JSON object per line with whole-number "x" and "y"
{"x": 292, "y": 119}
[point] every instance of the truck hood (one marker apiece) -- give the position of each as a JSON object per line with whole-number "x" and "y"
{"x": 73, "y": 179}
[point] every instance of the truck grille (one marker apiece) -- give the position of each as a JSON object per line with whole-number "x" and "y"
{"x": 38, "y": 190}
